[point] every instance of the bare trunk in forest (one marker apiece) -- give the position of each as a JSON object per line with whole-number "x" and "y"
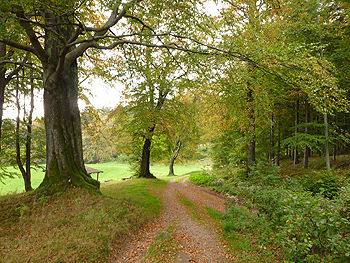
{"x": 2, "y": 85}
{"x": 272, "y": 136}
{"x": 335, "y": 140}
{"x": 307, "y": 149}
{"x": 328, "y": 163}
{"x": 278, "y": 145}
{"x": 145, "y": 160}
{"x": 296, "y": 153}
{"x": 250, "y": 140}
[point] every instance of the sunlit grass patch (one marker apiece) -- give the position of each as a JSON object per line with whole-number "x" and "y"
{"x": 141, "y": 191}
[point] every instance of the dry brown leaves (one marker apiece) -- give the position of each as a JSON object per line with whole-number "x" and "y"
{"x": 197, "y": 239}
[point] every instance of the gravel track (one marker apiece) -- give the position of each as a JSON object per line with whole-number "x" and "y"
{"x": 198, "y": 239}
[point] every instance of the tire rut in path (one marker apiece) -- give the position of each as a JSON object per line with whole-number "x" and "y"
{"x": 197, "y": 242}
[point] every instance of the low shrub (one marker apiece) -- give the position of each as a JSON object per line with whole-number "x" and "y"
{"x": 310, "y": 226}
{"x": 315, "y": 230}
{"x": 203, "y": 179}
{"x": 265, "y": 173}
{"x": 326, "y": 183}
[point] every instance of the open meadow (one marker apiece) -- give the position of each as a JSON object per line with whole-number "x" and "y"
{"x": 111, "y": 172}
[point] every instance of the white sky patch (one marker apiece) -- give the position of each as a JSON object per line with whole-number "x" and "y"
{"x": 103, "y": 95}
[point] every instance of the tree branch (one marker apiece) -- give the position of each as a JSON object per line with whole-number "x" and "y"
{"x": 18, "y": 45}
{"x": 40, "y": 52}
{"x": 23, "y": 64}
{"x": 113, "y": 20}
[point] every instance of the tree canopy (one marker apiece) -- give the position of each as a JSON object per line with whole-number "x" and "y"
{"x": 262, "y": 65}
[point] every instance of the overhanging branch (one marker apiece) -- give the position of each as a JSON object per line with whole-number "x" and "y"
{"x": 23, "y": 64}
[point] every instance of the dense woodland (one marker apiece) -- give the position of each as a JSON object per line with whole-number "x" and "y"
{"x": 246, "y": 83}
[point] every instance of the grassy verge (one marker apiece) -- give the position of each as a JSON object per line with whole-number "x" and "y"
{"x": 76, "y": 225}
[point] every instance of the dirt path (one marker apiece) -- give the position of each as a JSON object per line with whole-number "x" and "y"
{"x": 192, "y": 229}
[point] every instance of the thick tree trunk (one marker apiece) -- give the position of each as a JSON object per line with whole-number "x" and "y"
{"x": 307, "y": 149}
{"x": 64, "y": 150}
{"x": 64, "y": 147}
{"x": 146, "y": 154}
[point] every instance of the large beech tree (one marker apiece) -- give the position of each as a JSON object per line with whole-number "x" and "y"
{"x": 59, "y": 32}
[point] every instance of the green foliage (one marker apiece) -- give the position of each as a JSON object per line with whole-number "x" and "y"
{"x": 97, "y": 141}
{"x": 344, "y": 202}
{"x": 308, "y": 226}
{"x": 326, "y": 183}
{"x": 203, "y": 179}
{"x": 265, "y": 173}
{"x": 314, "y": 229}
{"x": 300, "y": 140}
{"x": 227, "y": 149}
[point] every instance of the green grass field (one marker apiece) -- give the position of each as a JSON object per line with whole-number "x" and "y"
{"x": 111, "y": 171}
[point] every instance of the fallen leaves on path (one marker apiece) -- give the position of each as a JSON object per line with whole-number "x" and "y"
{"x": 188, "y": 240}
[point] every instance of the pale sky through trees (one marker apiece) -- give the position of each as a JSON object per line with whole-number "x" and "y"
{"x": 103, "y": 95}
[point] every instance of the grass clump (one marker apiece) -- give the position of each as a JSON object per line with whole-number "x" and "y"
{"x": 76, "y": 225}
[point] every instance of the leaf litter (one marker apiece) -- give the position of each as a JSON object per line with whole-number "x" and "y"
{"x": 193, "y": 238}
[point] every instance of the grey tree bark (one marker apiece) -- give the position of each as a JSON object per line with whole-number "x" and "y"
{"x": 250, "y": 140}
{"x": 307, "y": 149}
